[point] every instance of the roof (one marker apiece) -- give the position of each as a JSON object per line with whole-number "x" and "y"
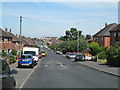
{"x": 15, "y": 38}
{"x": 56, "y": 41}
{"x": 5, "y": 33}
{"x": 117, "y": 28}
{"x": 105, "y": 30}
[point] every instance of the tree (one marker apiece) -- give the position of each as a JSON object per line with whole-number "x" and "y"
{"x": 88, "y": 37}
{"x": 71, "y": 34}
{"x": 62, "y": 38}
{"x": 95, "y": 48}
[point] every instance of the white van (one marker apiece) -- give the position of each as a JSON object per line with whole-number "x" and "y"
{"x": 33, "y": 51}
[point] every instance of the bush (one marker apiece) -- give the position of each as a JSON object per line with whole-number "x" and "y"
{"x": 102, "y": 55}
{"x": 14, "y": 52}
{"x": 3, "y": 54}
{"x": 113, "y": 55}
{"x": 13, "y": 58}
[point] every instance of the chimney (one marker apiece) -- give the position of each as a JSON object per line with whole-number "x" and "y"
{"x": 10, "y": 30}
{"x": 6, "y": 29}
{"x": 17, "y": 35}
{"x": 105, "y": 24}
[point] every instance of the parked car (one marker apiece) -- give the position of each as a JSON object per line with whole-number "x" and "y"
{"x": 26, "y": 59}
{"x": 33, "y": 51}
{"x": 6, "y": 78}
{"x": 40, "y": 55}
{"x": 71, "y": 56}
{"x": 79, "y": 57}
{"x": 58, "y": 52}
{"x": 67, "y": 54}
{"x": 43, "y": 53}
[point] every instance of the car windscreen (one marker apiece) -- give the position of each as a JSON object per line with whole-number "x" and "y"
{"x": 30, "y": 52}
{"x": 72, "y": 54}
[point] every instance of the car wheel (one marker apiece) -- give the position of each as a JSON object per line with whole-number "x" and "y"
{"x": 32, "y": 65}
{"x": 19, "y": 65}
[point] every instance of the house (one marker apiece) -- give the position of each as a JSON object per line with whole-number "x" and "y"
{"x": 5, "y": 41}
{"x": 115, "y": 35}
{"x": 89, "y": 40}
{"x": 27, "y": 42}
{"x": 102, "y": 37}
{"x": 15, "y": 41}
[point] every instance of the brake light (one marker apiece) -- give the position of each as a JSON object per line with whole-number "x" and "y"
{"x": 31, "y": 59}
{"x": 18, "y": 59}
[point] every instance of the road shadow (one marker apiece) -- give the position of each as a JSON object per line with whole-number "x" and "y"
{"x": 25, "y": 67}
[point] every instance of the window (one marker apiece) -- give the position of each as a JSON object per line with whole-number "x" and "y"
{"x": 102, "y": 38}
{"x": 5, "y": 39}
{"x": 96, "y": 38}
{"x": 114, "y": 34}
{"x": 119, "y": 34}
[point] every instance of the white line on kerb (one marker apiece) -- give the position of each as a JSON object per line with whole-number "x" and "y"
{"x": 28, "y": 77}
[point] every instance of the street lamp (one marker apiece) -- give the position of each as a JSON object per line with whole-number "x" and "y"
{"x": 78, "y": 39}
{"x": 20, "y": 34}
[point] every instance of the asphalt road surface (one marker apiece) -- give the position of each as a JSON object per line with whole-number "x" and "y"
{"x": 56, "y": 71}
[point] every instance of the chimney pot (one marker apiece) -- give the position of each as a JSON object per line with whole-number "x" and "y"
{"x": 10, "y": 30}
{"x": 6, "y": 29}
{"x": 105, "y": 24}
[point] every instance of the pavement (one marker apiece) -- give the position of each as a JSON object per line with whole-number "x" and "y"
{"x": 102, "y": 67}
{"x": 21, "y": 74}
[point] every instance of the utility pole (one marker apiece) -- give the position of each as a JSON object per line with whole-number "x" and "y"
{"x": 78, "y": 39}
{"x": 20, "y": 34}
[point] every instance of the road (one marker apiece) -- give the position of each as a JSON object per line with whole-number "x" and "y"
{"x": 56, "y": 71}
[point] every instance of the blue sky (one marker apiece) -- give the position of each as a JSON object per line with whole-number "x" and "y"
{"x": 42, "y": 19}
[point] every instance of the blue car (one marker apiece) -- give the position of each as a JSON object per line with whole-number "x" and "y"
{"x": 26, "y": 59}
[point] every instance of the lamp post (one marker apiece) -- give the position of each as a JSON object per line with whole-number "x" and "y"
{"x": 20, "y": 34}
{"x": 78, "y": 39}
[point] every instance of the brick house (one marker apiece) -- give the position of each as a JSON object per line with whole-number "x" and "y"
{"x": 102, "y": 37}
{"x": 5, "y": 41}
{"x": 15, "y": 41}
{"x": 115, "y": 35}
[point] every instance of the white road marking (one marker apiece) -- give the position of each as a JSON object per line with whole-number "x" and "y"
{"x": 46, "y": 65}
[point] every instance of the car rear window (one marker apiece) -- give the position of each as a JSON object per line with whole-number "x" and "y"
{"x": 30, "y": 52}
{"x": 25, "y": 56}
{"x": 79, "y": 55}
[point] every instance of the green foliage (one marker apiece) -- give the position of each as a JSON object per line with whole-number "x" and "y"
{"x": 70, "y": 46}
{"x": 62, "y": 38}
{"x": 102, "y": 55}
{"x": 71, "y": 42}
{"x": 71, "y": 34}
{"x": 14, "y": 52}
{"x": 95, "y": 48}
{"x": 88, "y": 37}
{"x": 3, "y": 54}
{"x": 113, "y": 55}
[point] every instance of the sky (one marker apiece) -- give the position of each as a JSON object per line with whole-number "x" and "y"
{"x": 46, "y": 19}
